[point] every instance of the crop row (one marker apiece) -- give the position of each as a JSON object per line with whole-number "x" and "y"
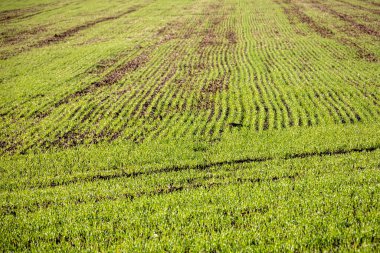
{"x": 221, "y": 67}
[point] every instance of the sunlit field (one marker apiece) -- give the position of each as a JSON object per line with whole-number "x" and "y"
{"x": 190, "y": 125}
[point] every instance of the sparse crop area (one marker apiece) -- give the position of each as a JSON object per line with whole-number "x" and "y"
{"x": 190, "y": 125}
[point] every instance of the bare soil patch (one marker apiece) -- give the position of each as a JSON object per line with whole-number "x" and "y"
{"x": 72, "y": 31}
{"x": 8, "y": 15}
{"x": 110, "y": 79}
{"x": 295, "y": 11}
{"x": 346, "y": 18}
{"x": 117, "y": 74}
{"x": 359, "y": 7}
{"x": 292, "y": 10}
{"x": 362, "y": 52}
{"x": 231, "y": 36}
{"x": 12, "y": 38}
{"x": 216, "y": 85}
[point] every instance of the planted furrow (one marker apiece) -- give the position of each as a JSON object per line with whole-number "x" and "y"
{"x": 72, "y": 31}
{"x": 268, "y": 82}
{"x": 127, "y": 112}
{"x": 153, "y": 93}
{"x": 138, "y": 115}
{"x": 260, "y": 77}
{"x": 359, "y": 7}
{"x": 321, "y": 98}
{"x": 285, "y": 98}
{"x": 128, "y": 105}
{"x": 109, "y": 79}
{"x": 168, "y": 77}
{"x": 184, "y": 96}
{"x": 227, "y": 66}
{"x": 244, "y": 73}
{"x": 254, "y": 98}
{"x": 333, "y": 102}
{"x": 293, "y": 76}
{"x": 89, "y": 116}
{"x": 62, "y": 36}
{"x": 259, "y": 94}
{"x": 372, "y": 106}
{"x": 293, "y": 10}
{"x": 353, "y": 112}
{"x": 212, "y": 52}
{"x": 346, "y": 18}
{"x": 301, "y": 77}
{"x": 10, "y": 15}
{"x": 239, "y": 88}
{"x": 282, "y": 103}
{"x": 343, "y": 114}
{"x": 233, "y": 125}
{"x": 214, "y": 86}
{"x": 161, "y": 99}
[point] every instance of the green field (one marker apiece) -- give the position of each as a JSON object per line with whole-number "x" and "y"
{"x": 190, "y": 125}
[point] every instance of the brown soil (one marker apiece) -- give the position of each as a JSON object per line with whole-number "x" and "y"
{"x": 110, "y": 79}
{"x": 72, "y": 31}
{"x": 12, "y": 38}
{"x": 295, "y": 11}
{"x": 292, "y": 10}
{"x": 117, "y": 74}
{"x": 346, "y": 18}
{"x": 231, "y": 36}
{"x": 3, "y": 144}
{"x": 206, "y": 98}
{"x": 209, "y": 39}
{"x": 8, "y": 15}
{"x": 359, "y": 7}
{"x": 215, "y": 86}
{"x": 171, "y": 31}
{"x": 64, "y": 35}
{"x": 374, "y": 3}
{"x": 362, "y": 52}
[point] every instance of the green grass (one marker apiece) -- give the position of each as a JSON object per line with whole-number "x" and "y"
{"x": 189, "y": 125}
